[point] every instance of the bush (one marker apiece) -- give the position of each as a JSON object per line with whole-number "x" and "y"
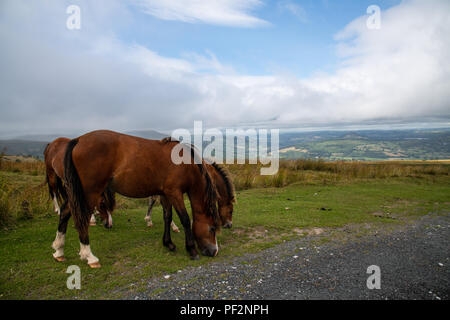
{"x": 6, "y": 216}
{"x": 32, "y": 202}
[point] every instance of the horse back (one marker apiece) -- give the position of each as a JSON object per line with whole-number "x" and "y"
{"x": 131, "y": 166}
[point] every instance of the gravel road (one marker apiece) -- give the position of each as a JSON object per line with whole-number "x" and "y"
{"x": 413, "y": 260}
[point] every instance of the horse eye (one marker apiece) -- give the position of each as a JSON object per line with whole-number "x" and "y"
{"x": 212, "y": 229}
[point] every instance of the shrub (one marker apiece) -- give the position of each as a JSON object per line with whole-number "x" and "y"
{"x": 6, "y": 217}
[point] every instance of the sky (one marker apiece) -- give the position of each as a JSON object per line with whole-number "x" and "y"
{"x": 154, "y": 64}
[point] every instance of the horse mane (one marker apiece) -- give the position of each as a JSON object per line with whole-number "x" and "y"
{"x": 211, "y": 191}
{"x": 168, "y": 139}
{"x": 224, "y": 173}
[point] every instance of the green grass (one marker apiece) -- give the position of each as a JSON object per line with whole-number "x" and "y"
{"x": 131, "y": 252}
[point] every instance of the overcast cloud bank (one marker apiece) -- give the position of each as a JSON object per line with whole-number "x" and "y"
{"x": 56, "y": 80}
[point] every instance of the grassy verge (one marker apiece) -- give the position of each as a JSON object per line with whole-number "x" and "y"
{"x": 132, "y": 252}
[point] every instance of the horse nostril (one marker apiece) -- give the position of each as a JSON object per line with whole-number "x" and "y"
{"x": 210, "y": 251}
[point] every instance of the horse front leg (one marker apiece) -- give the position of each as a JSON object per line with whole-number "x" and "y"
{"x": 177, "y": 201}
{"x": 58, "y": 244}
{"x": 167, "y": 213}
{"x": 56, "y": 205}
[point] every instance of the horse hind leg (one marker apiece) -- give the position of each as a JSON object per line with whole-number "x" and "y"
{"x": 174, "y": 227}
{"x": 82, "y": 225}
{"x": 58, "y": 243}
{"x": 148, "y": 216}
{"x": 85, "y": 248}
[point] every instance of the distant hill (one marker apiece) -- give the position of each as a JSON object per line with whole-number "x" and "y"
{"x": 34, "y": 145}
{"x": 424, "y": 144}
{"x": 23, "y": 148}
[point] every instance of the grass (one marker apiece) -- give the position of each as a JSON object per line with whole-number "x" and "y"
{"x": 269, "y": 210}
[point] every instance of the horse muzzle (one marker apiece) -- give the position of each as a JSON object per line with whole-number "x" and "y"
{"x": 210, "y": 250}
{"x": 228, "y": 224}
{"x": 107, "y": 223}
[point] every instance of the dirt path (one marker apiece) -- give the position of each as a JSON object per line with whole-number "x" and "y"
{"x": 414, "y": 260}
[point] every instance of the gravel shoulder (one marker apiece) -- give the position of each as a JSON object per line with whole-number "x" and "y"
{"x": 413, "y": 258}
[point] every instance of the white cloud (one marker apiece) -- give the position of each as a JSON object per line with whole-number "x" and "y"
{"x": 235, "y": 13}
{"x": 56, "y": 80}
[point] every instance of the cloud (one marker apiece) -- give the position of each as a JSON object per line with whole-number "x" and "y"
{"x": 55, "y": 80}
{"x": 294, "y": 9}
{"x": 233, "y": 13}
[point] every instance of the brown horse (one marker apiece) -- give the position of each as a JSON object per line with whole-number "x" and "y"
{"x": 137, "y": 168}
{"x": 225, "y": 192}
{"x": 54, "y": 167}
{"x": 226, "y": 199}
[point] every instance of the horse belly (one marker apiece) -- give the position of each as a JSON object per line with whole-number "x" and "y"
{"x": 135, "y": 185}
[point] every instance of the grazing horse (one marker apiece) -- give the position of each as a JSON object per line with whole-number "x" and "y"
{"x": 225, "y": 191}
{"x": 54, "y": 167}
{"x": 137, "y": 168}
{"x": 226, "y": 198}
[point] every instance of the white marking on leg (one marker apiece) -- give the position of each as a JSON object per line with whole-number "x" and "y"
{"x": 148, "y": 218}
{"x": 109, "y": 219}
{"x": 58, "y": 244}
{"x": 93, "y": 221}
{"x": 174, "y": 227}
{"x": 56, "y": 205}
{"x": 86, "y": 254}
{"x": 217, "y": 247}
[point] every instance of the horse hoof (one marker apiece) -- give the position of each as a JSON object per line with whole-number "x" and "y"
{"x": 176, "y": 230}
{"x": 150, "y": 225}
{"x": 60, "y": 259}
{"x": 92, "y": 223}
{"x": 196, "y": 257}
{"x": 172, "y": 247}
{"x": 95, "y": 265}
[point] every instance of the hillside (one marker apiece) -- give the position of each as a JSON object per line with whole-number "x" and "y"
{"x": 367, "y": 145}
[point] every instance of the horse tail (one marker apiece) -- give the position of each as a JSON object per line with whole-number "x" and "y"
{"x": 74, "y": 188}
{"x": 50, "y": 189}
{"x": 110, "y": 199}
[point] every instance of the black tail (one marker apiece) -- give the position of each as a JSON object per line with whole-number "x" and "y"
{"x": 75, "y": 193}
{"x": 50, "y": 189}
{"x": 110, "y": 199}
{"x": 59, "y": 192}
